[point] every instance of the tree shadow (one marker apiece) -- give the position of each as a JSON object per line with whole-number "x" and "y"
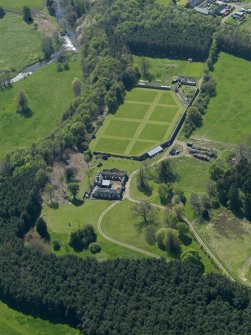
{"x": 186, "y": 240}
{"x": 27, "y": 113}
{"x": 77, "y": 202}
{"x": 2, "y": 14}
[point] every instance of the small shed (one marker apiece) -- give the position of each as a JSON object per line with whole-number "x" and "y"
{"x": 155, "y": 151}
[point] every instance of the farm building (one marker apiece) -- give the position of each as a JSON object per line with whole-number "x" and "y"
{"x": 107, "y": 193}
{"x": 109, "y": 184}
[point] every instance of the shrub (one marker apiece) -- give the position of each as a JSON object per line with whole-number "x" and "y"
{"x": 94, "y": 248}
{"x": 56, "y": 245}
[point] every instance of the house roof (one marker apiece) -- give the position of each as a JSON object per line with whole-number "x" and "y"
{"x": 155, "y": 151}
{"x": 106, "y": 182}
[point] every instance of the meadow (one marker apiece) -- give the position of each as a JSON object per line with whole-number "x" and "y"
{"x": 165, "y": 69}
{"x": 18, "y": 4}
{"x": 13, "y": 322}
{"x": 146, "y": 119}
{"x": 230, "y": 239}
{"x": 20, "y": 44}
{"x": 49, "y": 93}
{"x": 228, "y": 116}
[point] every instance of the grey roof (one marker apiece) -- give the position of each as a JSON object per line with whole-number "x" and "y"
{"x": 155, "y": 151}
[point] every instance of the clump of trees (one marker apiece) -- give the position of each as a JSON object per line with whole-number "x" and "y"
{"x": 195, "y": 112}
{"x": 234, "y": 188}
{"x": 82, "y": 238}
{"x": 168, "y": 240}
{"x": 47, "y": 47}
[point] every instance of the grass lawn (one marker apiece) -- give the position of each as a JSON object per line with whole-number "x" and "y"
{"x": 191, "y": 176}
{"x": 138, "y": 94}
{"x": 228, "y": 116}
{"x": 20, "y": 43}
{"x": 13, "y": 322}
{"x": 167, "y": 99}
{"x": 18, "y": 4}
{"x": 165, "y": 69}
{"x": 132, "y": 111}
{"x": 111, "y": 145}
{"x": 49, "y": 93}
{"x": 138, "y": 120}
{"x": 68, "y": 218}
{"x": 121, "y": 128}
{"x": 164, "y": 114}
{"x": 230, "y": 239}
{"x": 121, "y": 224}
{"x": 153, "y": 132}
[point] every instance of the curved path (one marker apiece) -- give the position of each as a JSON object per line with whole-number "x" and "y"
{"x": 112, "y": 240}
{"x": 147, "y": 253}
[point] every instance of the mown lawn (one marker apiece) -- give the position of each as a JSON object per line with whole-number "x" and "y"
{"x": 69, "y": 218}
{"x": 13, "y": 322}
{"x": 20, "y": 44}
{"x": 18, "y": 4}
{"x": 165, "y": 69}
{"x": 49, "y": 93}
{"x": 228, "y": 116}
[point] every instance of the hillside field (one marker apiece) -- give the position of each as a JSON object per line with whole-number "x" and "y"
{"x": 228, "y": 116}
{"x": 20, "y": 44}
{"x": 49, "y": 93}
{"x": 18, "y": 4}
{"x": 15, "y": 323}
{"x": 230, "y": 239}
{"x": 146, "y": 119}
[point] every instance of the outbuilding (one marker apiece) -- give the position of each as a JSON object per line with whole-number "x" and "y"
{"x": 154, "y": 152}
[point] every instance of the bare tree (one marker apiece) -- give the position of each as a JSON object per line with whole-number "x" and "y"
{"x": 145, "y": 211}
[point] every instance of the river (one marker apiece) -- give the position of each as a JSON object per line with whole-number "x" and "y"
{"x": 70, "y": 42}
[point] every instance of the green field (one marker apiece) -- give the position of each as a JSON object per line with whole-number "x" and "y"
{"x": 122, "y": 225}
{"x": 49, "y": 93}
{"x": 146, "y": 119}
{"x": 68, "y": 218}
{"x": 191, "y": 176}
{"x": 165, "y": 69}
{"x": 15, "y": 323}
{"x": 230, "y": 239}
{"x": 18, "y": 4}
{"x": 20, "y": 44}
{"x": 228, "y": 116}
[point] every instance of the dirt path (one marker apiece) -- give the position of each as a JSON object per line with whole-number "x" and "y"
{"x": 112, "y": 240}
